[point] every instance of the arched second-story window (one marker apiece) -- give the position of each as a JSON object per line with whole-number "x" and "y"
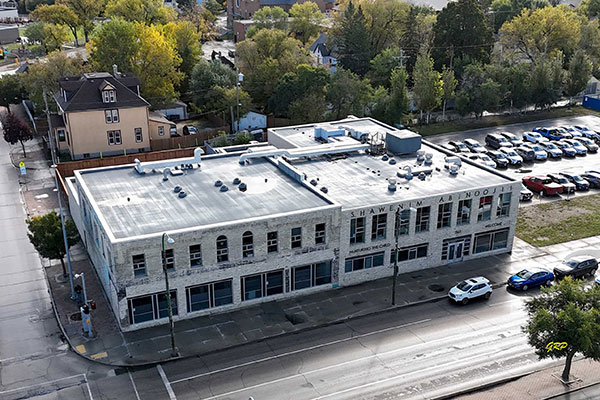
{"x": 247, "y": 245}
{"x": 222, "y": 249}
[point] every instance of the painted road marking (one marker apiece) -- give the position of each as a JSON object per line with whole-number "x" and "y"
{"x": 299, "y": 351}
{"x": 161, "y": 372}
{"x": 47, "y": 383}
{"x": 137, "y": 395}
{"x": 99, "y": 355}
{"x": 81, "y": 349}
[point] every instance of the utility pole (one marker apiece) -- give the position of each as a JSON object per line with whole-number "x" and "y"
{"x": 401, "y": 57}
{"x": 174, "y": 352}
{"x": 239, "y": 79}
{"x": 395, "y": 278}
{"x": 50, "y": 136}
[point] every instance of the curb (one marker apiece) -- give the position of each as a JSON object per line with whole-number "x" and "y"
{"x": 554, "y": 396}
{"x": 484, "y": 386}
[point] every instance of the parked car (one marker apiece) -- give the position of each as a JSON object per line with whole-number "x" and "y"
{"x": 594, "y": 135}
{"x": 578, "y": 181}
{"x": 512, "y": 138}
{"x": 470, "y": 289}
{"x": 576, "y": 267}
{"x": 592, "y": 178}
{"x": 499, "y": 158}
{"x": 567, "y": 149}
{"x": 580, "y": 149}
{"x": 189, "y": 130}
{"x": 538, "y": 151}
{"x": 550, "y": 132}
{"x": 483, "y": 159}
{"x": 525, "y": 194}
{"x": 474, "y": 146}
{"x": 525, "y": 152}
{"x": 530, "y": 277}
{"x": 583, "y": 129}
{"x": 173, "y": 131}
{"x": 543, "y": 185}
{"x": 572, "y": 131}
{"x": 568, "y": 187}
{"x": 552, "y": 149}
{"x": 459, "y": 147}
{"x": 448, "y": 147}
{"x": 532, "y": 137}
{"x": 497, "y": 141}
{"x": 513, "y": 157}
{"x": 589, "y": 144}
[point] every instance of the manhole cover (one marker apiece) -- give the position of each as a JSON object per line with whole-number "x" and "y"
{"x": 296, "y": 319}
{"x": 436, "y": 288}
{"x": 75, "y": 317}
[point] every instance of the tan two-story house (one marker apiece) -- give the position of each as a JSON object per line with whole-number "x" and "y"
{"x": 102, "y": 114}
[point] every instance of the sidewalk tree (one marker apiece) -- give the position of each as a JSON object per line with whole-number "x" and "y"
{"x": 54, "y": 37}
{"x": 449, "y": 84}
{"x": 145, "y": 11}
{"x": 12, "y": 90}
{"x": 35, "y": 32}
{"x": 58, "y": 14}
{"x": 578, "y": 75}
{"x": 391, "y": 106}
{"x": 567, "y": 313}
{"x": 546, "y": 81}
{"x": 16, "y": 131}
{"x": 478, "y": 93}
{"x": 427, "y": 88}
{"x": 306, "y": 20}
{"x": 86, "y": 11}
{"x": 46, "y": 235}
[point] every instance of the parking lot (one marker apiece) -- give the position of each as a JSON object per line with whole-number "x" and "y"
{"x": 574, "y": 165}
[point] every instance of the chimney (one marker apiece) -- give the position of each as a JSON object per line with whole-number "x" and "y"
{"x": 115, "y": 71}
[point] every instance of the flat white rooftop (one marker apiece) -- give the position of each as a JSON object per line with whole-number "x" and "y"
{"x": 134, "y": 204}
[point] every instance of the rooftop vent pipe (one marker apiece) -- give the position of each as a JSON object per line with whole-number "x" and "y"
{"x": 392, "y": 184}
{"x": 165, "y": 172}
{"x": 140, "y": 167}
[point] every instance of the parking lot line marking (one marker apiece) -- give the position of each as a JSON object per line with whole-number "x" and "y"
{"x": 87, "y": 384}
{"x": 163, "y": 376}
{"x": 137, "y": 395}
{"x": 299, "y": 351}
{"x": 81, "y": 349}
{"x": 99, "y": 355}
{"x": 41, "y": 384}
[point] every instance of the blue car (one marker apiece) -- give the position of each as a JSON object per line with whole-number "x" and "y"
{"x": 529, "y": 278}
{"x": 592, "y": 178}
{"x": 550, "y": 133}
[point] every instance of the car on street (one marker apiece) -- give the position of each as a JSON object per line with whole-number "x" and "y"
{"x": 474, "y": 146}
{"x": 576, "y": 267}
{"x": 530, "y": 277}
{"x": 459, "y": 147}
{"x": 567, "y": 149}
{"x": 533, "y": 137}
{"x": 579, "y": 148}
{"x": 514, "y": 139}
{"x": 470, "y": 289}
{"x": 511, "y": 155}
{"x": 525, "y": 194}
{"x": 538, "y": 151}
{"x": 497, "y": 141}
{"x": 483, "y": 159}
{"x": 568, "y": 187}
{"x": 579, "y": 182}
{"x": 550, "y": 132}
{"x": 499, "y": 158}
{"x": 592, "y": 178}
{"x": 552, "y": 149}
{"x": 589, "y": 144}
{"x": 542, "y": 185}
{"x": 525, "y": 152}
{"x": 189, "y": 130}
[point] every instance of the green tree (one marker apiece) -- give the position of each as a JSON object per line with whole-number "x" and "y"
{"x": 305, "y": 80}
{"x": 54, "y": 37}
{"x": 58, "y": 14}
{"x": 502, "y": 11}
{"x": 35, "y": 32}
{"x": 546, "y": 81}
{"x": 537, "y": 34}
{"x": 86, "y": 11}
{"x": 269, "y": 18}
{"x": 244, "y": 138}
{"x": 202, "y": 19}
{"x": 589, "y": 8}
{"x": 382, "y": 66}
{"x": 461, "y": 30}
{"x": 449, "y": 84}
{"x": 307, "y": 109}
{"x": 590, "y": 41}
{"x": 306, "y": 20}
{"x": 16, "y": 131}
{"x": 12, "y": 90}
{"x": 186, "y": 39}
{"x": 351, "y": 35}
{"x": 568, "y": 313}
{"x": 517, "y": 81}
{"x": 347, "y": 94}
{"x": 390, "y": 107}
{"x": 213, "y": 6}
{"x": 46, "y": 235}
{"x": 265, "y": 58}
{"x": 142, "y": 50}
{"x": 206, "y": 75}
{"x": 479, "y": 92}
{"x": 427, "y": 89}
{"x": 418, "y": 34}
{"x": 578, "y": 75}
{"x": 385, "y": 23}
{"x": 224, "y": 100}
{"x": 144, "y": 11}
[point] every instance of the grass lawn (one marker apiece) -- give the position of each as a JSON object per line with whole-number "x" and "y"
{"x": 559, "y": 221}
{"x": 497, "y": 120}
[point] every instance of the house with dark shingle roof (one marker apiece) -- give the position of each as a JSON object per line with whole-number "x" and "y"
{"x": 102, "y": 114}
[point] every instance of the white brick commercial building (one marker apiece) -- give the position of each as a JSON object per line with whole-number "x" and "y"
{"x": 321, "y": 208}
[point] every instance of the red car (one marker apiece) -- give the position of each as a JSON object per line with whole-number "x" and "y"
{"x": 543, "y": 185}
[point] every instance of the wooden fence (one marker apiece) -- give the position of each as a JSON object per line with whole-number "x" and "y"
{"x": 180, "y": 142}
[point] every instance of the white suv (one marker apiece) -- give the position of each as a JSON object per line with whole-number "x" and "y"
{"x": 470, "y": 289}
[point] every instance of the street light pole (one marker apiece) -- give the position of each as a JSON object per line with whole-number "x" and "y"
{"x": 395, "y": 278}
{"x": 174, "y": 352}
{"x": 64, "y": 231}
{"x": 240, "y": 79}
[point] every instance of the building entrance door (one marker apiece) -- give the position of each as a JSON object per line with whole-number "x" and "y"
{"x": 455, "y": 251}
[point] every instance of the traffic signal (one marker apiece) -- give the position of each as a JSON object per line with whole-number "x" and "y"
{"x": 92, "y": 304}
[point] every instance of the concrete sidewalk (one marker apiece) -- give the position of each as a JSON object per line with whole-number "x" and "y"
{"x": 214, "y": 332}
